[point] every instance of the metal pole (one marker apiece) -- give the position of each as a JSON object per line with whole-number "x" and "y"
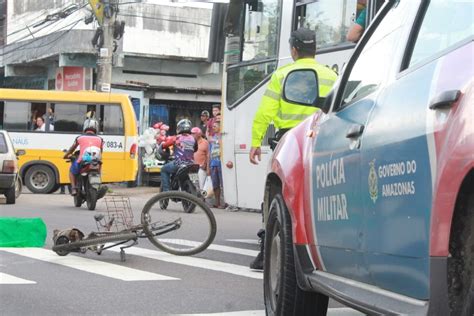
{"x": 104, "y": 63}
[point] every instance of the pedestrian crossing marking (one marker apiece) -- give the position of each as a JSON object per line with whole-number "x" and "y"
{"x": 10, "y": 279}
{"x": 245, "y": 241}
{"x": 228, "y": 249}
{"x": 89, "y": 265}
{"x": 338, "y": 311}
{"x": 195, "y": 262}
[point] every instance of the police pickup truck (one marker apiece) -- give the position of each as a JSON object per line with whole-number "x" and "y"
{"x": 371, "y": 201}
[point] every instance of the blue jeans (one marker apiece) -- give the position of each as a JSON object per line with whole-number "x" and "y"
{"x": 166, "y": 171}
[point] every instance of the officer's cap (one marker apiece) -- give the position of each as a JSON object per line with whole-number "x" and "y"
{"x": 303, "y": 38}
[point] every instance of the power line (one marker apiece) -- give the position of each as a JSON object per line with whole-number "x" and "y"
{"x": 30, "y": 23}
{"x": 163, "y": 19}
{"x": 38, "y": 30}
{"x": 23, "y": 47}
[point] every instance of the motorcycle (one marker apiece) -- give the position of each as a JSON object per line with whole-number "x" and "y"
{"x": 88, "y": 182}
{"x": 185, "y": 179}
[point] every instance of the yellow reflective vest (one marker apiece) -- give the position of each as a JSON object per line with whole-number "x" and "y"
{"x": 283, "y": 114}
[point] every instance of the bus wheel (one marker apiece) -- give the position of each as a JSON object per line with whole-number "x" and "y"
{"x": 40, "y": 179}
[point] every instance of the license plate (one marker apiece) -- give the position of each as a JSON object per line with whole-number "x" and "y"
{"x": 194, "y": 177}
{"x": 94, "y": 179}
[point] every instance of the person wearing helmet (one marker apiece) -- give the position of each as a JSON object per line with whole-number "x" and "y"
{"x": 90, "y": 145}
{"x": 283, "y": 114}
{"x": 184, "y": 147}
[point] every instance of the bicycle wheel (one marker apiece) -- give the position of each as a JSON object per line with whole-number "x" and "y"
{"x": 92, "y": 241}
{"x": 175, "y": 231}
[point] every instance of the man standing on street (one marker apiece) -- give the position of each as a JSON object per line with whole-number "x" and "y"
{"x": 285, "y": 115}
{"x": 216, "y": 112}
{"x": 204, "y": 122}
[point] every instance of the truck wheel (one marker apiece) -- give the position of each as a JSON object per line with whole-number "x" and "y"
{"x": 282, "y": 294}
{"x": 461, "y": 261}
{"x": 10, "y": 195}
{"x": 40, "y": 179}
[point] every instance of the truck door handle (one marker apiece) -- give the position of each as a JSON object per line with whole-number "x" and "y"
{"x": 355, "y": 131}
{"x": 445, "y": 99}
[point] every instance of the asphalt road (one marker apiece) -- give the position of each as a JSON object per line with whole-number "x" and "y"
{"x": 36, "y": 281}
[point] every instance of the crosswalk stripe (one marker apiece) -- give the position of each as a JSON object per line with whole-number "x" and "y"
{"x": 340, "y": 311}
{"x": 88, "y": 265}
{"x": 239, "y": 251}
{"x": 245, "y": 241}
{"x": 194, "y": 262}
{"x": 10, "y": 279}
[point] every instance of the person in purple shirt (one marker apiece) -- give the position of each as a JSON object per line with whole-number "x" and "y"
{"x": 184, "y": 148}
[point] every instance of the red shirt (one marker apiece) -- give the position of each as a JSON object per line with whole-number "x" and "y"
{"x": 89, "y": 143}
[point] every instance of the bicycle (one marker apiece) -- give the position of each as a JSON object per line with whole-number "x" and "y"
{"x": 186, "y": 233}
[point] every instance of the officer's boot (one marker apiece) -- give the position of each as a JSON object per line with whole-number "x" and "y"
{"x": 257, "y": 263}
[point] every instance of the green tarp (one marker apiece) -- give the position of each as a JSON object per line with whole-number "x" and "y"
{"x": 22, "y": 232}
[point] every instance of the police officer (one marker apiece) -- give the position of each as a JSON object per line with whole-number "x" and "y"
{"x": 286, "y": 115}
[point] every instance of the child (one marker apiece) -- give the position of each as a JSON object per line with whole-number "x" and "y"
{"x": 214, "y": 163}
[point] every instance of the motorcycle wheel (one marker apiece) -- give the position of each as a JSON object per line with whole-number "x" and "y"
{"x": 189, "y": 187}
{"x": 78, "y": 197}
{"x": 91, "y": 198}
{"x": 78, "y": 200}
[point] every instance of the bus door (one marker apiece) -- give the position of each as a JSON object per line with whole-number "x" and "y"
{"x": 112, "y": 127}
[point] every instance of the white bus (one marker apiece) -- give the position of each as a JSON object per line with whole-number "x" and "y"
{"x": 257, "y": 33}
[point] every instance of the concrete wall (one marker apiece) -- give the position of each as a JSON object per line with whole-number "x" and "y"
{"x": 166, "y": 30}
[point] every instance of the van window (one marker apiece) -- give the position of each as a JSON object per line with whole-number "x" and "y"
{"x": 440, "y": 30}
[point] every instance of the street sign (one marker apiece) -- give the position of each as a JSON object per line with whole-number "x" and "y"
{"x": 98, "y": 9}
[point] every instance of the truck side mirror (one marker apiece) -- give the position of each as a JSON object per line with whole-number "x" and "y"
{"x": 301, "y": 87}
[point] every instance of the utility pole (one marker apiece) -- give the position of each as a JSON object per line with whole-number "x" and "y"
{"x": 104, "y": 63}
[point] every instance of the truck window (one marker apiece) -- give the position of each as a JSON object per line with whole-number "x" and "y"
{"x": 372, "y": 65}
{"x": 438, "y": 31}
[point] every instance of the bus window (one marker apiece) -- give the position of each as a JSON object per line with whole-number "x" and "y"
{"x": 261, "y": 31}
{"x": 69, "y": 117}
{"x": 259, "y": 49}
{"x": 113, "y": 120}
{"x": 17, "y": 116}
{"x": 330, "y": 19}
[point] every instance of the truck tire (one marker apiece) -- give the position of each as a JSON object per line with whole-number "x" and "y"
{"x": 461, "y": 261}
{"x": 40, "y": 179}
{"x": 282, "y": 295}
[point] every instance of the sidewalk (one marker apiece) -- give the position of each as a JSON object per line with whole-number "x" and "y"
{"x": 123, "y": 190}
{"x": 119, "y": 189}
